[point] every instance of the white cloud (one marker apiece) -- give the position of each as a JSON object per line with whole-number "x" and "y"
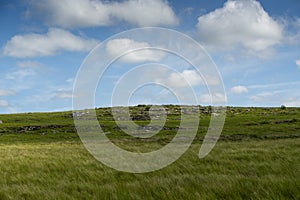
{"x": 88, "y": 13}
{"x": 71, "y": 14}
{"x": 3, "y": 103}
{"x": 293, "y": 33}
{"x": 70, "y": 80}
{"x": 190, "y": 77}
{"x": 287, "y": 97}
{"x": 240, "y": 23}
{"x": 239, "y": 89}
{"x": 294, "y": 84}
{"x": 298, "y": 63}
{"x": 186, "y": 78}
{"x": 20, "y": 74}
{"x": 32, "y": 45}
{"x": 29, "y": 64}
{"x": 214, "y": 98}
{"x": 63, "y": 94}
{"x": 264, "y": 97}
{"x": 293, "y": 102}
{"x": 7, "y": 92}
{"x": 117, "y": 47}
{"x": 189, "y": 10}
{"x": 145, "y": 13}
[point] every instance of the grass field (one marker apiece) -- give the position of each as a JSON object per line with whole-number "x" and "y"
{"x": 257, "y": 157}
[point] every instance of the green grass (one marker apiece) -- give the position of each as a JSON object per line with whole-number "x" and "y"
{"x": 233, "y": 170}
{"x": 257, "y": 157}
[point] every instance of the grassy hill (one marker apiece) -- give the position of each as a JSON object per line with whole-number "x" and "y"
{"x": 257, "y": 157}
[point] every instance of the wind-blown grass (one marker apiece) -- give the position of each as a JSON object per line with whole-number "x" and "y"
{"x": 233, "y": 170}
{"x": 257, "y": 157}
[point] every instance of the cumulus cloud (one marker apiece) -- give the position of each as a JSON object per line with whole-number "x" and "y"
{"x": 71, "y": 14}
{"x": 239, "y": 89}
{"x": 240, "y": 23}
{"x": 183, "y": 79}
{"x": 4, "y": 103}
{"x": 298, "y": 63}
{"x": 32, "y": 45}
{"x": 214, "y": 98}
{"x": 89, "y": 13}
{"x": 186, "y": 78}
{"x": 145, "y": 13}
{"x": 7, "y": 92}
{"x": 117, "y": 47}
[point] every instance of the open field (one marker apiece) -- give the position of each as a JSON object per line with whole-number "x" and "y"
{"x": 257, "y": 157}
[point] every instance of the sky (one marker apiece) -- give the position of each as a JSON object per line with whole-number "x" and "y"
{"x": 254, "y": 45}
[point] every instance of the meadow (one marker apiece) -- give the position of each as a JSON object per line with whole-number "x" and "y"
{"x": 256, "y": 157}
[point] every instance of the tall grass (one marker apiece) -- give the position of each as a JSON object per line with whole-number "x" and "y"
{"x": 234, "y": 170}
{"x": 257, "y": 157}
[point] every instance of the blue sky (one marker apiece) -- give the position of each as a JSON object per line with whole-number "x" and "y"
{"x": 255, "y": 45}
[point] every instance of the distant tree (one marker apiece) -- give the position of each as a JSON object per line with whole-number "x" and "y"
{"x": 283, "y": 107}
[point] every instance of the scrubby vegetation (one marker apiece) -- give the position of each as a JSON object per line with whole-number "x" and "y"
{"x": 257, "y": 157}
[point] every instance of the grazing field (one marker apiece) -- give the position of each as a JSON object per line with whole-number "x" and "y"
{"x": 257, "y": 157}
